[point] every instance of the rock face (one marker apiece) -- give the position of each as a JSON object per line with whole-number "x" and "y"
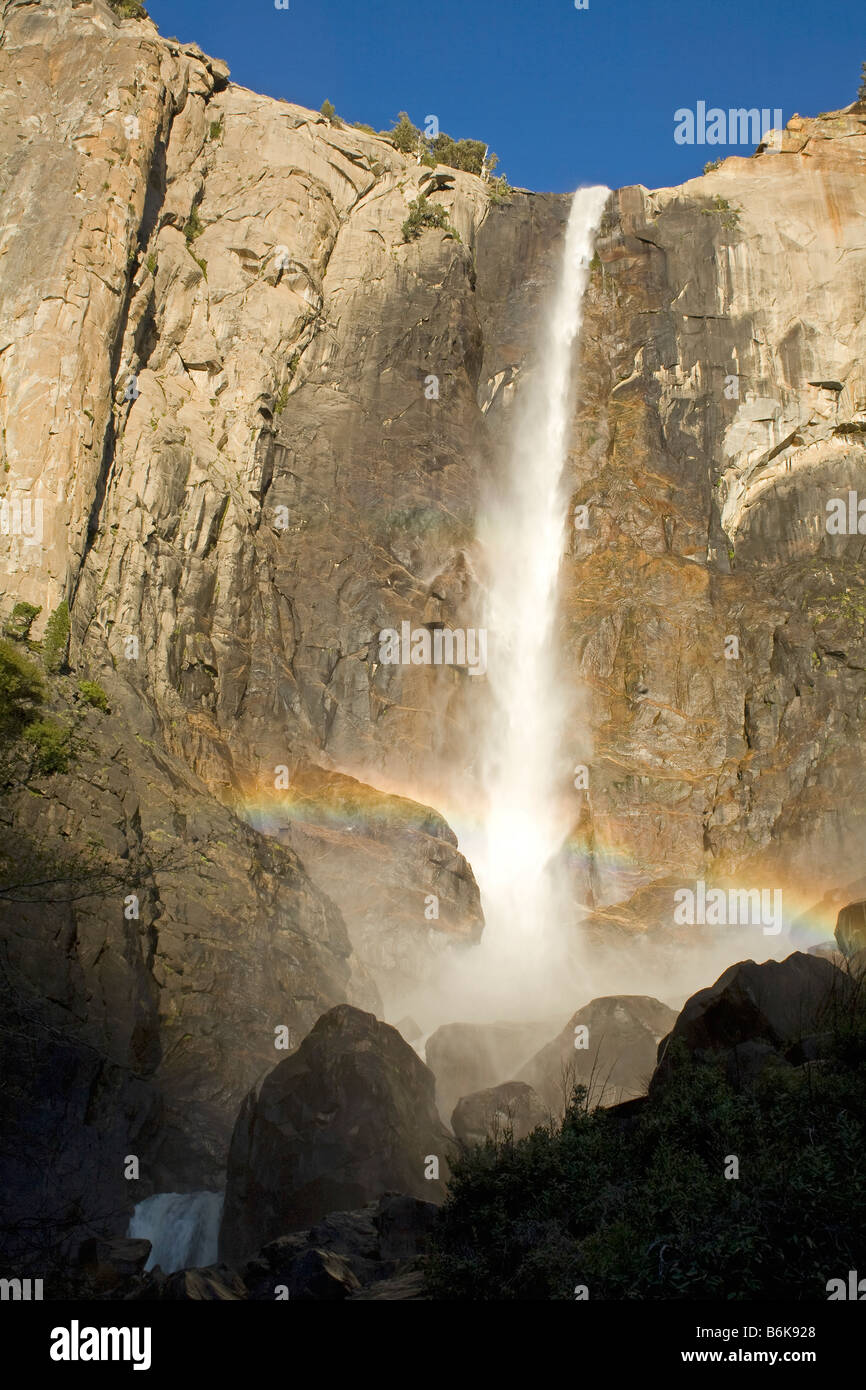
{"x": 510, "y": 1109}
{"x": 153, "y": 943}
{"x": 618, "y": 1040}
{"x": 470, "y": 1057}
{"x": 244, "y": 427}
{"x": 348, "y": 1116}
{"x": 724, "y": 405}
{"x": 755, "y": 1015}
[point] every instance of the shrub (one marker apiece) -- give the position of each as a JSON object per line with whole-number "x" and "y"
{"x": 712, "y": 165}
{"x": 22, "y": 690}
{"x": 129, "y": 9}
{"x": 327, "y": 110}
{"x": 52, "y": 745}
{"x": 56, "y": 637}
{"x": 861, "y": 90}
{"x": 193, "y": 227}
{"x": 500, "y": 191}
{"x": 20, "y": 620}
{"x": 423, "y": 213}
{"x": 641, "y": 1208}
{"x": 93, "y": 694}
{"x": 461, "y": 154}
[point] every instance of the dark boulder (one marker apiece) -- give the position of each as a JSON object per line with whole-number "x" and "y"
{"x": 346, "y": 1117}
{"x": 777, "y": 1013}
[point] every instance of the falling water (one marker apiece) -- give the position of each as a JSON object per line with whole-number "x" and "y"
{"x": 182, "y": 1227}
{"x": 524, "y": 536}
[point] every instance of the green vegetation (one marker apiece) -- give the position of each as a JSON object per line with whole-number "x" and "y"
{"x": 22, "y": 694}
{"x": 51, "y": 745}
{"x": 215, "y": 131}
{"x": 500, "y": 191}
{"x": 712, "y": 165}
{"x": 19, "y": 622}
{"x": 728, "y": 216}
{"x": 93, "y": 694}
{"x": 468, "y": 155}
{"x": 56, "y": 637}
{"x": 405, "y": 136}
{"x": 193, "y": 227}
{"x": 22, "y": 691}
{"x": 643, "y": 1210}
{"x": 861, "y": 90}
{"x": 129, "y": 9}
{"x": 327, "y": 110}
{"x": 423, "y": 213}
{"x": 151, "y": 262}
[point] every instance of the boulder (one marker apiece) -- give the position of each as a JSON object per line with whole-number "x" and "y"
{"x": 218, "y": 1283}
{"x": 623, "y": 1032}
{"x": 321, "y": 1276}
{"x": 379, "y": 1243}
{"x": 851, "y": 928}
{"x": 512, "y": 1108}
{"x": 348, "y": 1116}
{"x": 755, "y": 1015}
{"x": 107, "y": 1262}
{"x": 470, "y": 1057}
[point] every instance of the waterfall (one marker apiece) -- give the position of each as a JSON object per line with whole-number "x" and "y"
{"x": 182, "y": 1227}
{"x": 523, "y": 533}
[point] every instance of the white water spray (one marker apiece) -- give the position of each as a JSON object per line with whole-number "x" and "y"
{"x": 182, "y": 1227}
{"x": 524, "y": 536}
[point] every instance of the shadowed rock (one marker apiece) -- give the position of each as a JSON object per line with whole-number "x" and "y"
{"x": 777, "y": 1013}
{"x": 348, "y": 1116}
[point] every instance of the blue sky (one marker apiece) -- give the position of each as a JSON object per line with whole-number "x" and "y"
{"x": 564, "y": 96}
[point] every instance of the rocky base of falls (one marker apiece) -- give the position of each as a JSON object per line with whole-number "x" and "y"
{"x": 780, "y": 1039}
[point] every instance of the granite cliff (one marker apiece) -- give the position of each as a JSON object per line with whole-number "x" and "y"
{"x": 218, "y": 410}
